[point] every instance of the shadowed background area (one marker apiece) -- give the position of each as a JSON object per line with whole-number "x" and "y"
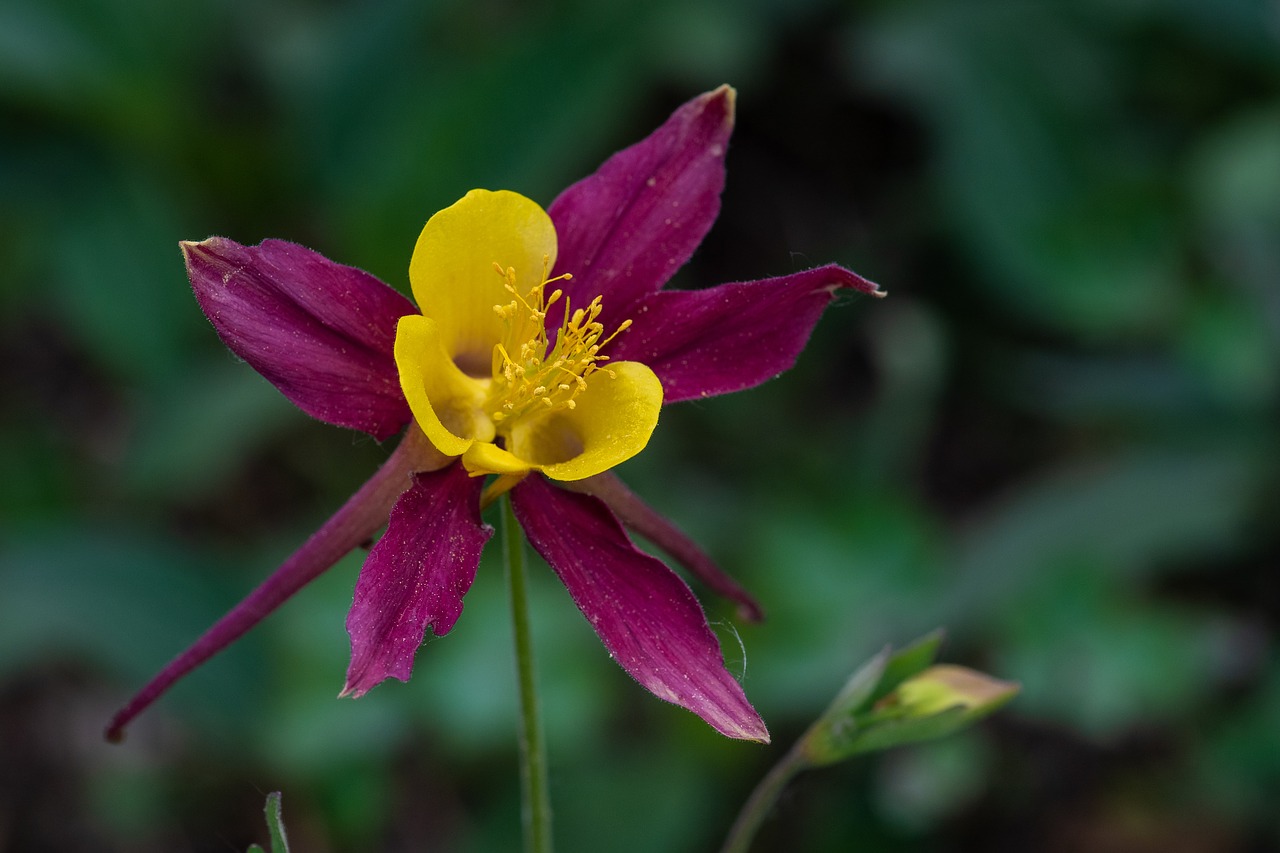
{"x": 1057, "y": 437}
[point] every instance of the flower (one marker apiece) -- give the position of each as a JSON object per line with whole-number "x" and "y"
{"x": 544, "y": 349}
{"x": 491, "y": 375}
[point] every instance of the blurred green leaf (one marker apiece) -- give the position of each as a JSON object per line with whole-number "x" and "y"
{"x": 120, "y": 282}
{"x": 1138, "y": 509}
{"x": 1233, "y": 177}
{"x": 1240, "y": 767}
{"x": 1058, "y": 207}
{"x": 126, "y": 602}
{"x": 1102, "y": 660}
{"x": 921, "y": 786}
{"x": 194, "y": 423}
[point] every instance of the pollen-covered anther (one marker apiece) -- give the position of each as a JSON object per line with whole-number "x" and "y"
{"x": 527, "y": 369}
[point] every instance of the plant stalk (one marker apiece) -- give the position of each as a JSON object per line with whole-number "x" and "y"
{"x": 762, "y": 801}
{"x": 533, "y": 747}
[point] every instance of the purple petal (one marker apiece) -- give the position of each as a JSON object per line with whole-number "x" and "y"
{"x": 644, "y": 614}
{"x": 658, "y": 529}
{"x": 706, "y": 342}
{"x": 321, "y": 332}
{"x": 350, "y": 526}
{"x": 624, "y": 231}
{"x": 415, "y": 576}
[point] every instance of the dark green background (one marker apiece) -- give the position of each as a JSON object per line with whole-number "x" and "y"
{"x": 1057, "y": 437}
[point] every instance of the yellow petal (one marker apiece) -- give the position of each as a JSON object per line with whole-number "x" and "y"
{"x": 452, "y": 271}
{"x": 445, "y": 402}
{"x": 486, "y": 458}
{"x": 611, "y": 422}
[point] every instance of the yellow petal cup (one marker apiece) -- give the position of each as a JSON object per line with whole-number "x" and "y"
{"x": 482, "y": 377}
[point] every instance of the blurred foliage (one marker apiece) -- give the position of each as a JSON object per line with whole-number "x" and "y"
{"x": 1057, "y": 437}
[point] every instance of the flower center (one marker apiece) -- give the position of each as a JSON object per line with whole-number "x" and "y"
{"x": 526, "y": 377}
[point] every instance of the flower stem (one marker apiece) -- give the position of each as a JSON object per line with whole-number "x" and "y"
{"x": 761, "y": 801}
{"x": 533, "y": 746}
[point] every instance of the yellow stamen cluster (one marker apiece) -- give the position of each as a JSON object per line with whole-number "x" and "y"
{"x": 527, "y": 377}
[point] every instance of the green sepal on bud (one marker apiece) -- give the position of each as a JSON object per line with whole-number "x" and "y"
{"x": 897, "y": 698}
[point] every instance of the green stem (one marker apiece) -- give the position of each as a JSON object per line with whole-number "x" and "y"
{"x": 533, "y": 746}
{"x": 761, "y": 802}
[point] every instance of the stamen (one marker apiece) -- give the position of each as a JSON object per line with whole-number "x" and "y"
{"x": 556, "y": 377}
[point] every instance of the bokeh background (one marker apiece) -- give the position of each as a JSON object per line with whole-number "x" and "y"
{"x": 1056, "y": 438}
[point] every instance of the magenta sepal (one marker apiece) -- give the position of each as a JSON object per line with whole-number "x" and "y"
{"x": 625, "y": 230}
{"x": 353, "y": 524}
{"x": 643, "y": 613}
{"x": 321, "y": 332}
{"x": 416, "y": 576}
{"x": 639, "y": 517}
{"x": 702, "y": 343}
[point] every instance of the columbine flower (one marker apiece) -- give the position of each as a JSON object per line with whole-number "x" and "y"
{"x": 542, "y": 354}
